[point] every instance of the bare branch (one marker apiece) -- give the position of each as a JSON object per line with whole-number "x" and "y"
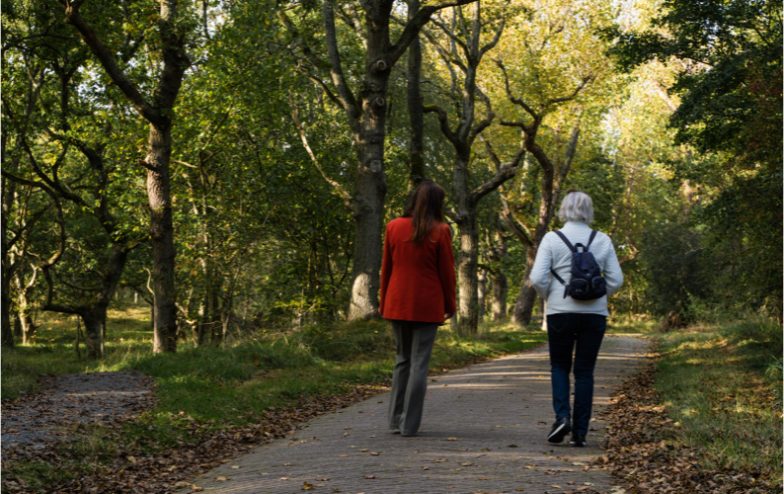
{"x": 571, "y": 96}
{"x": 489, "y": 116}
{"x": 53, "y": 183}
{"x": 30, "y": 221}
{"x": 496, "y": 38}
{"x": 346, "y": 97}
{"x": 443, "y": 120}
{"x": 413, "y": 26}
{"x": 31, "y": 183}
{"x": 448, "y": 59}
{"x": 306, "y": 50}
{"x": 514, "y": 123}
{"x": 571, "y": 151}
{"x": 503, "y": 172}
{"x": 450, "y": 33}
{"x": 336, "y": 186}
{"x": 109, "y": 62}
{"x": 518, "y": 228}
{"x": 517, "y": 101}
{"x": 54, "y": 258}
{"x": 332, "y": 96}
{"x": 507, "y": 216}
{"x": 491, "y": 153}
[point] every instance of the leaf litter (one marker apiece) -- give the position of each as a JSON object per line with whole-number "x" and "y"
{"x": 133, "y": 466}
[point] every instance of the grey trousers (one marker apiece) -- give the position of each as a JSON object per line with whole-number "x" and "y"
{"x": 409, "y": 379}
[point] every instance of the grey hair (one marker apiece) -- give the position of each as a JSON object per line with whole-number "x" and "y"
{"x": 576, "y": 206}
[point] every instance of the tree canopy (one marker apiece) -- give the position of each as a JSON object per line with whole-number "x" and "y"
{"x": 231, "y": 164}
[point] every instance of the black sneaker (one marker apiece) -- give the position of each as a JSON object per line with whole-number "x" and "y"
{"x": 560, "y": 429}
{"x": 578, "y": 440}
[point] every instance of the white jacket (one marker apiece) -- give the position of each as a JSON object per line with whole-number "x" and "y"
{"x": 553, "y": 253}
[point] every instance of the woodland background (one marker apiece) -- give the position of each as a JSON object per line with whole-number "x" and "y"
{"x": 210, "y": 172}
{"x": 234, "y": 162}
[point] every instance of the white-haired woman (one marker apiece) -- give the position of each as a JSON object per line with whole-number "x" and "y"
{"x": 576, "y": 317}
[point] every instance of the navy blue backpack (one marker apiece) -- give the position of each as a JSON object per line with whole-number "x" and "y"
{"x": 586, "y": 282}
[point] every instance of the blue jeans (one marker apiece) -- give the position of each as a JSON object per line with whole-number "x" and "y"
{"x": 579, "y": 335}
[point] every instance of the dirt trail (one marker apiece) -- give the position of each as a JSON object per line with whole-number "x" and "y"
{"x": 38, "y": 420}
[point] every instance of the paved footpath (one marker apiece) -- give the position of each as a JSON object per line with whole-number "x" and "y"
{"x": 483, "y": 431}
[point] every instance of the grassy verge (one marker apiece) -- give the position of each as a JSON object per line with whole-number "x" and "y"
{"x": 53, "y": 351}
{"x": 638, "y": 324}
{"x": 721, "y": 383}
{"x": 203, "y": 391}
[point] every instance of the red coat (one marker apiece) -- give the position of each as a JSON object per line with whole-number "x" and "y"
{"x": 417, "y": 280}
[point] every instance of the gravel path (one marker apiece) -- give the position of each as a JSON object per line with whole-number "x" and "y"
{"x": 483, "y": 431}
{"x": 37, "y": 420}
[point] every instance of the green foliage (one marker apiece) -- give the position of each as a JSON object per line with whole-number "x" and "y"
{"x": 729, "y": 82}
{"x": 671, "y": 258}
{"x": 345, "y": 341}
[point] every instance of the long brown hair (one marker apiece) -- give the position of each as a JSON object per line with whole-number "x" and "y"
{"x": 425, "y": 206}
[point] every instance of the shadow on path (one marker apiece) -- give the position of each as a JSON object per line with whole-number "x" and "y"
{"x": 483, "y": 431}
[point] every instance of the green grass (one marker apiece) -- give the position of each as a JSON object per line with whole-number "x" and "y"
{"x": 722, "y": 385}
{"x": 640, "y": 324}
{"x": 224, "y": 387}
{"x": 53, "y": 351}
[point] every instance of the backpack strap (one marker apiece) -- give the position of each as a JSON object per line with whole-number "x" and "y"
{"x": 571, "y": 248}
{"x": 590, "y": 239}
{"x": 552, "y": 271}
{"x": 566, "y": 240}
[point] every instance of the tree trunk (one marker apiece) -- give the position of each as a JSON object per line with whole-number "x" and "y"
{"x": 481, "y": 293}
{"x": 7, "y": 330}
{"x": 26, "y": 325}
{"x": 222, "y": 316}
{"x": 162, "y": 238}
{"x": 210, "y": 307}
{"x": 17, "y": 326}
{"x": 24, "y": 310}
{"x": 158, "y": 113}
{"x": 468, "y": 305}
{"x": 371, "y": 184}
{"x": 500, "y": 291}
{"x": 366, "y": 113}
{"x": 500, "y": 286}
{"x": 468, "y": 254}
{"x": 369, "y": 216}
{"x": 205, "y": 313}
{"x": 94, "y": 320}
{"x": 5, "y": 288}
{"x": 524, "y": 304}
{"x": 415, "y": 109}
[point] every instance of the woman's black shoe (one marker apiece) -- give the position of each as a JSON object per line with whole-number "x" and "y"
{"x": 578, "y": 440}
{"x": 560, "y": 429}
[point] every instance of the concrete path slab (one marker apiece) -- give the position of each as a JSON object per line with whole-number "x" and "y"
{"x": 483, "y": 431}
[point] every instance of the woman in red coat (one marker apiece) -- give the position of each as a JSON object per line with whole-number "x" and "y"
{"x": 417, "y": 295}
